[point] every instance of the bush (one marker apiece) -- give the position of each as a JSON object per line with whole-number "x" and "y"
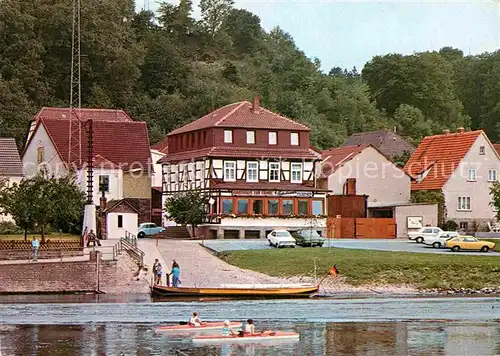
{"x": 9, "y": 228}
{"x": 450, "y": 225}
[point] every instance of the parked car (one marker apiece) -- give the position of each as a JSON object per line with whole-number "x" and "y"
{"x": 438, "y": 240}
{"x": 148, "y": 229}
{"x": 469, "y": 243}
{"x": 281, "y": 238}
{"x": 308, "y": 237}
{"x": 429, "y": 231}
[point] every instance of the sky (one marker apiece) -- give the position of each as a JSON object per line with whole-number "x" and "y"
{"x": 349, "y": 33}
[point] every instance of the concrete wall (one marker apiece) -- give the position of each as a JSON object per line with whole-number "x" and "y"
{"x": 478, "y": 191}
{"x": 156, "y": 177}
{"x": 57, "y": 277}
{"x": 376, "y": 177}
{"x": 130, "y": 224}
{"x": 429, "y": 213}
{"x": 115, "y": 183}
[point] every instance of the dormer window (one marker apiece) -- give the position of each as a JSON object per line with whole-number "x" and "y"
{"x": 481, "y": 150}
{"x": 228, "y": 136}
{"x": 294, "y": 139}
{"x": 273, "y": 138}
{"x": 250, "y": 137}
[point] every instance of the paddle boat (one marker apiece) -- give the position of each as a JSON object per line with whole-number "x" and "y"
{"x": 267, "y": 336}
{"x": 185, "y": 327}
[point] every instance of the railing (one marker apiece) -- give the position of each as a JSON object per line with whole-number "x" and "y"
{"x": 108, "y": 253}
{"x": 130, "y": 238}
{"x": 130, "y": 245}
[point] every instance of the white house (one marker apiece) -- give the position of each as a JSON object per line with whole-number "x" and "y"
{"x": 11, "y": 168}
{"x": 462, "y": 166}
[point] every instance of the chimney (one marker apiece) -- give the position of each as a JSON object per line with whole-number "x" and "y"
{"x": 460, "y": 129}
{"x": 446, "y": 132}
{"x": 256, "y": 105}
{"x": 102, "y": 203}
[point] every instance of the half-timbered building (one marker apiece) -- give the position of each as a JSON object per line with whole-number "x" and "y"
{"x": 255, "y": 166}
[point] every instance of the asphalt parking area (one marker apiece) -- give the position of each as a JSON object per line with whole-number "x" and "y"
{"x": 399, "y": 245}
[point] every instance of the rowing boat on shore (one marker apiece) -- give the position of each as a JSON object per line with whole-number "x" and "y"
{"x": 244, "y": 290}
{"x": 197, "y": 329}
{"x": 254, "y": 338}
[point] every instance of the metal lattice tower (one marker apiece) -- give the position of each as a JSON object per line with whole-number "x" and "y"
{"x": 75, "y": 100}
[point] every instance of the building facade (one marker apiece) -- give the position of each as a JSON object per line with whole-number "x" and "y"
{"x": 255, "y": 167}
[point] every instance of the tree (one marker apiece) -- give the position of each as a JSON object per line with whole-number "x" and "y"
{"x": 187, "y": 208}
{"x": 433, "y": 197}
{"x": 495, "y": 195}
{"x": 214, "y": 13}
{"x": 17, "y": 201}
{"x": 401, "y": 159}
{"x": 411, "y": 122}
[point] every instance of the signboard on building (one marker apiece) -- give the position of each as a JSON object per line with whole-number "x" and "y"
{"x": 414, "y": 222}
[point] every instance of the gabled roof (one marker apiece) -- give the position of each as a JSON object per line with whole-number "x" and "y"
{"x": 161, "y": 146}
{"x": 496, "y": 146}
{"x": 10, "y": 162}
{"x": 437, "y": 157}
{"x": 336, "y": 157}
{"x": 123, "y": 142}
{"x": 386, "y": 141}
{"x": 113, "y": 204}
{"x": 84, "y": 114}
{"x": 241, "y": 115}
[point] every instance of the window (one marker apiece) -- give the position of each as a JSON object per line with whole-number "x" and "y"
{"x": 104, "y": 183}
{"x": 317, "y": 207}
{"x": 464, "y": 225}
{"x": 481, "y": 150}
{"x": 286, "y": 207}
{"x": 229, "y": 171}
{"x": 294, "y": 139}
{"x": 242, "y": 206}
{"x": 492, "y": 175}
{"x": 272, "y": 207}
{"x": 250, "y": 137}
{"x": 303, "y": 207}
{"x": 274, "y": 172}
{"x": 273, "y": 139}
{"x": 296, "y": 172}
{"x": 228, "y": 136}
{"x": 464, "y": 203}
{"x": 258, "y": 207}
{"x": 227, "y": 206}
{"x": 40, "y": 154}
{"x": 471, "y": 175}
{"x": 252, "y": 172}
{"x": 427, "y": 231}
{"x": 120, "y": 221}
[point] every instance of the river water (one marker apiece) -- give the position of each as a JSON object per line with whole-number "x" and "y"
{"x": 84, "y": 325}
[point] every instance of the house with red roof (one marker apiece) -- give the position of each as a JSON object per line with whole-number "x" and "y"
{"x": 364, "y": 170}
{"x": 256, "y": 166}
{"x": 11, "y": 168}
{"x": 462, "y": 165}
{"x": 121, "y": 157}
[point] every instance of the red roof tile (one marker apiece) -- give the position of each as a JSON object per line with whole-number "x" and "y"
{"x": 161, "y": 146}
{"x": 85, "y": 114}
{"x": 335, "y": 157}
{"x": 240, "y": 152}
{"x": 124, "y": 143}
{"x": 441, "y": 155}
{"x": 10, "y": 162}
{"x": 497, "y": 147}
{"x": 241, "y": 115}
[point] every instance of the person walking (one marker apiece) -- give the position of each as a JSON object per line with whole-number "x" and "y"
{"x": 158, "y": 273}
{"x": 175, "y": 276}
{"x": 35, "y": 245}
{"x": 153, "y": 270}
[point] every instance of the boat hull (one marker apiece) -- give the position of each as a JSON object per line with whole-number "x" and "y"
{"x": 207, "y": 327}
{"x": 302, "y": 292}
{"x": 278, "y": 336}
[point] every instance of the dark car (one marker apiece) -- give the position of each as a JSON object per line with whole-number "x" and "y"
{"x": 308, "y": 237}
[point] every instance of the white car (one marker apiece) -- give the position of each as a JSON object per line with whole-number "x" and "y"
{"x": 439, "y": 240}
{"x": 280, "y": 238}
{"x": 424, "y": 232}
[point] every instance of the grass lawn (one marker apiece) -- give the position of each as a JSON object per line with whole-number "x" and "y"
{"x": 360, "y": 267}
{"x": 53, "y": 237}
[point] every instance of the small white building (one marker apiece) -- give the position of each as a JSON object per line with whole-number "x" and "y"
{"x": 121, "y": 218}
{"x": 11, "y": 168}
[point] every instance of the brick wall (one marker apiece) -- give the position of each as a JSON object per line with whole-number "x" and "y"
{"x": 57, "y": 277}
{"x": 42, "y": 254}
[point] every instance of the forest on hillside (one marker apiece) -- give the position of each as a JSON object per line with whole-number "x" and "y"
{"x": 168, "y": 68}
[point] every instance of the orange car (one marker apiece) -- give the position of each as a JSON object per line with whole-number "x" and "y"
{"x": 469, "y": 243}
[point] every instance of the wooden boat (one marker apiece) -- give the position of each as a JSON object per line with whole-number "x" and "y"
{"x": 190, "y": 328}
{"x": 244, "y": 290}
{"x": 256, "y": 338}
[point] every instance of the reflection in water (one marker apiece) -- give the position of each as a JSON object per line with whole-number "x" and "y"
{"x": 361, "y": 338}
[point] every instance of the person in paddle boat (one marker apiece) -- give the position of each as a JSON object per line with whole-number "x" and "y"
{"x": 249, "y": 327}
{"x": 226, "y": 330}
{"x": 195, "y": 320}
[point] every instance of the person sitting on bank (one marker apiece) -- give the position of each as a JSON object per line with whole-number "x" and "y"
{"x": 93, "y": 239}
{"x": 195, "y": 320}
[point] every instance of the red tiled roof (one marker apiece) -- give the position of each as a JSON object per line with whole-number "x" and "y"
{"x": 335, "y": 157}
{"x": 283, "y": 186}
{"x": 85, "y": 114}
{"x": 241, "y": 115}
{"x": 10, "y": 162}
{"x": 161, "y": 146}
{"x": 497, "y": 147}
{"x": 124, "y": 143}
{"x": 441, "y": 154}
{"x": 240, "y": 152}
{"x": 101, "y": 162}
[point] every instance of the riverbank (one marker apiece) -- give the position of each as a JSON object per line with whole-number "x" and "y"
{"x": 379, "y": 271}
